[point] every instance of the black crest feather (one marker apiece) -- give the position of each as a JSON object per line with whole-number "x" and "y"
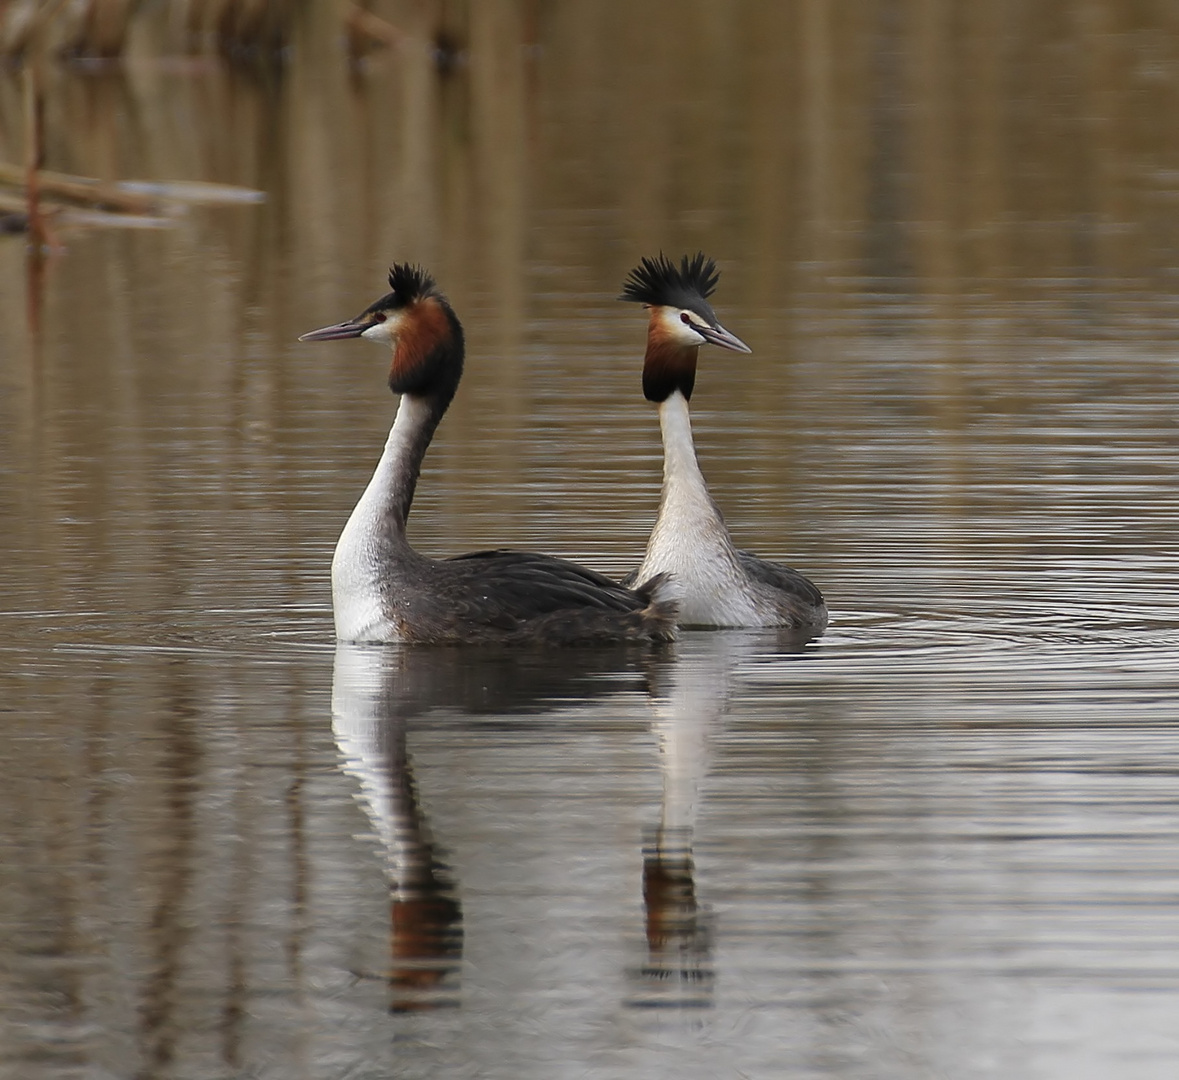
{"x": 409, "y": 283}
{"x": 660, "y": 283}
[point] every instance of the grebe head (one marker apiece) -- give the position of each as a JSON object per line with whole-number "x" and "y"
{"x": 416, "y": 321}
{"x": 677, "y": 300}
{"x": 681, "y": 320}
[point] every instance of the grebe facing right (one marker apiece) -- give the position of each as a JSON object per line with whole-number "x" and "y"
{"x": 384, "y": 591}
{"x": 716, "y": 584}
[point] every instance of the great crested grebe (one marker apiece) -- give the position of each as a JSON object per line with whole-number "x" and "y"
{"x": 384, "y": 591}
{"x": 715, "y": 584}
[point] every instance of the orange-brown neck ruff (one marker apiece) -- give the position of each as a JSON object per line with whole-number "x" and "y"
{"x": 669, "y": 364}
{"x": 428, "y": 356}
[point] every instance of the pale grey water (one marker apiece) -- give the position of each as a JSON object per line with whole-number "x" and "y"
{"x": 943, "y": 841}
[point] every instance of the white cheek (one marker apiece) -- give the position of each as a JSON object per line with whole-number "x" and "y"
{"x": 381, "y": 333}
{"x": 677, "y": 330}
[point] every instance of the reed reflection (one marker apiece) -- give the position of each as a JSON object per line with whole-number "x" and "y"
{"x": 377, "y": 693}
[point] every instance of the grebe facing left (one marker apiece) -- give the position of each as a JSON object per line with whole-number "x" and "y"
{"x": 385, "y": 591}
{"x": 715, "y": 584}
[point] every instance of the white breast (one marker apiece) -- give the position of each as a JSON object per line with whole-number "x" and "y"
{"x": 690, "y": 541}
{"x": 706, "y": 579}
{"x": 357, "y": 601}
{"x": 364, "y": 567}
{"x": 360, "y": 564}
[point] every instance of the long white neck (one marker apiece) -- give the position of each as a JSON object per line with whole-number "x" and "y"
{"x": 682, "y": 478}
{"x": 689, "y": 540}
{"x": 372, "y": 548}
{"x": 395, "y": 478}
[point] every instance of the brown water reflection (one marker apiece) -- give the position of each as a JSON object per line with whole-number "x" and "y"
{"x": 941, "y": 842}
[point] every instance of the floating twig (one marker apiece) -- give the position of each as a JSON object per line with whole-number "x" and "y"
{"x": 77, "y": 189}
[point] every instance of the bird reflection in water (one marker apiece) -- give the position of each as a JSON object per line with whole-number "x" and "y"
{"x": 689, "y": 698}
{"x": 377, "y": 691}
{"x": 425, "y": 915}
{"x": 678, "y": 971}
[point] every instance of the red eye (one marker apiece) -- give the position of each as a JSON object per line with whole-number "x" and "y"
{"x": 379, "y": 317}
{"x": 684, "y": 318}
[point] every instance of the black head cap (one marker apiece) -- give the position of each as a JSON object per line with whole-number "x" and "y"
{"x": 660, "y": 283}
{"x": 408, "y": 283}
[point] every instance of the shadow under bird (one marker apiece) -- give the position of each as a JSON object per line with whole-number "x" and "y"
{"x": 385, "y": 591}
{"x": 714, "y": 583}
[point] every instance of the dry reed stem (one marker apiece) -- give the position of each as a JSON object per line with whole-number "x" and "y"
{"x": 34, "y": 153}
{"x": 367, "y": 31}
{"x": 101, "y": 29}
{"x": 238, "y": 27}
{"x": 24, "y": 23}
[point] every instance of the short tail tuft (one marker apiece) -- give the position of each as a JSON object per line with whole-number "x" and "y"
{"x": 662, "y": 608}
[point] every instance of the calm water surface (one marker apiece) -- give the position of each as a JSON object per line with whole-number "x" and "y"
{"x": 943, "y": 841}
